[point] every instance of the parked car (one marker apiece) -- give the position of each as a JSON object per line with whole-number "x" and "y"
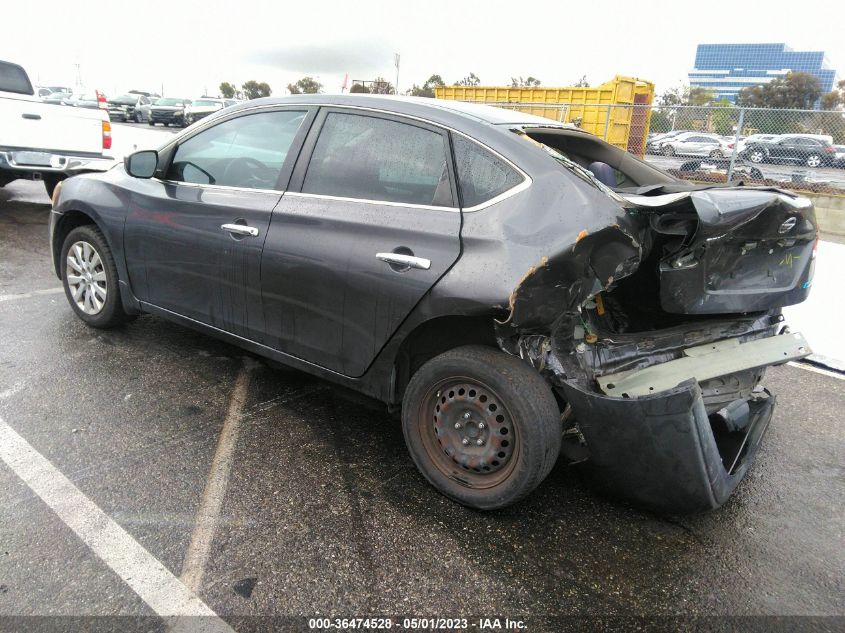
{"x": 695, "y": 144}
{"x": 653, "y": 143}
{"x": 462, "y": 262}
{"x": 58, "y": 98}
{"x": 131, "y": 106}
{"x": 753, "y": 138}
{"x": 201, "y": 108}
{"x": 169, "y": 111}
{"x": 44, "y": 142}
{"x": 839, "y": 157}
{"x": 44, "y": 91}
{"x": 792, "y": 149}
{"x": 93, "y": 100}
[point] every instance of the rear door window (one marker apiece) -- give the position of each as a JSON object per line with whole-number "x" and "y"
{"x": 372, "y": 158}
{"x": 13, "y": 79}
{"x": 482, "y": 175}
{"x": 247, "y": 152}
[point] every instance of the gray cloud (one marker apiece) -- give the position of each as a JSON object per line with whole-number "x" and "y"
{"x": 363, "y": 58}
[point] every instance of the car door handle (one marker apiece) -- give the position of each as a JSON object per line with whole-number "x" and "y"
{"x": 240, "y": 229}
{"x": 405, "y": 260}
{"x": 34, "y": 117}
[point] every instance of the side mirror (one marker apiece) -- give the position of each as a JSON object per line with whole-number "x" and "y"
{"x": 141, "y": 164}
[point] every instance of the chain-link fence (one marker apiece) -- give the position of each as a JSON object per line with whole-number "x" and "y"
{"x": 795, "y": 149}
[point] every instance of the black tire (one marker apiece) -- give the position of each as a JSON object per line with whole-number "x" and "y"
{"x": 50, "y": 183}
{"x": 151, "y": 123}
{"x": 111, "y": 313}
{"x": 138, "y": 117}
{"x": 717, "y": 153}
{"x": 814, "y": 160}
{"x": 506, "y": 411}
{"x": 668, "y": 150}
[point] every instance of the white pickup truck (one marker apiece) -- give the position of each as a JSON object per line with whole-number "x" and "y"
{"x": 44, "y": 141}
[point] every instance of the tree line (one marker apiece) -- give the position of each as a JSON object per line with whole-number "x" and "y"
{"x": 309, "y": 85}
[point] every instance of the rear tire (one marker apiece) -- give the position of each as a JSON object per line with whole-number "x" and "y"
{"x": 756, "y": 156}
{"x": 481, "y": 426}
{"x": 814, "y": 160}
{"x": 89, "y": 277}
{"x": 716, "y": 153}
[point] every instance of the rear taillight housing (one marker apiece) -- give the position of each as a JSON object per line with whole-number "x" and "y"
{"x": 106, "y": 135}
{"x": 101, "y": 100}
{"x": 829, "y": 150}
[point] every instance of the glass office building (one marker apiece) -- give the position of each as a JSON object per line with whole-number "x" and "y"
{"x": 728, "y": 68}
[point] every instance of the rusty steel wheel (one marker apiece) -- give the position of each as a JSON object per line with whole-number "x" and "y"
{"x": 482, "y": 426}
{"x": 472, "y": 435}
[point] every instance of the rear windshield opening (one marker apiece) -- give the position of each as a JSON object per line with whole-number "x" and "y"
{"x": 610, "y": 165}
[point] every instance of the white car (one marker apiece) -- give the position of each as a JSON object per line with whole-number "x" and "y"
{"x": 201, "y": 108}
{"x": 695, "y": 144}
{"x": 753, "y": 138}
{"x": 44, "y": 141}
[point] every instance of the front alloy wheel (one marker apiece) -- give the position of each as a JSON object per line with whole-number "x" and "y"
{"x": 86, "y": 277}
{"x": 668, "y": 150}
{"x": 89, "y": 277}
{"x": 481, "y": 426}
{"x": 814, "y": 160}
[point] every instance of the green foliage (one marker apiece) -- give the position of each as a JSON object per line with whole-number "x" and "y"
{"x": 524, "y": 82}
{"x": 427, "y": 89}
{"x": 359, "y": 88}
{"x": 659, "y": 122}
{"x": 793, "y": 91}
{"x": 305, "y": 86}
{"x": 470, "y": 80}
{"x": 254, "y": 90}
{"x": 227, "y": 90}
{"x": 382, "y": 86}
{"x": 723, "y": 118}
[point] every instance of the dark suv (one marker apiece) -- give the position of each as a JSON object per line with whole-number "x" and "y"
{"x": 169, "y": 111}
{"x": 792, "y": 149}
{"x": 519, "y": 287}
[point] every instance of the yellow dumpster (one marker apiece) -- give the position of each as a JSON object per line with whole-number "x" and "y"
{"x": 618, "y": 111}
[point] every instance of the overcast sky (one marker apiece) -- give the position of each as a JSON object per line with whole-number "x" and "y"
{"x": 188, "y": 47}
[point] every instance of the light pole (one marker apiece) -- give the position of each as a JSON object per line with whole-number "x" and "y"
{"x": 396, "y": 63}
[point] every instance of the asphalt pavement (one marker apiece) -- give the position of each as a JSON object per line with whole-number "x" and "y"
{"x": 267, "y": 492}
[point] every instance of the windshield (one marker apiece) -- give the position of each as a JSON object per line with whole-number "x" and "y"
{"x": 211, "y": 104}
{"x": 125, "y": 100}
{"x": 169, "y": 102}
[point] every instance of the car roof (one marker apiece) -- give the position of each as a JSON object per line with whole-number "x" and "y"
{"x": 437, "y": 110}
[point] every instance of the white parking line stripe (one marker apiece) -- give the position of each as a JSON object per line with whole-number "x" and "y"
{"x": 817, "y": 370}
{"x": 208, "y": 514}
{"x": 139, "y": 569}
{"x": 34, "y": 293}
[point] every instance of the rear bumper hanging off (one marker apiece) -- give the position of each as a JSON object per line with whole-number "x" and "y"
{"x": 661, "y": 450}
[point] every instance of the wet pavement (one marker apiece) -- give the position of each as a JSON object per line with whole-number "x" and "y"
{"x": 322, "y": 511}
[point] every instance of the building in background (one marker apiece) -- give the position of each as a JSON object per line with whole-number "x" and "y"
{"x": 728, "y": 68}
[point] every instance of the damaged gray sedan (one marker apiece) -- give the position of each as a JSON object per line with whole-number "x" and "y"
{"x": 521, "y": 289}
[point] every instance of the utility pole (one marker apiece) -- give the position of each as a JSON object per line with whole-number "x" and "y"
{"x": 396, "y": 63}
